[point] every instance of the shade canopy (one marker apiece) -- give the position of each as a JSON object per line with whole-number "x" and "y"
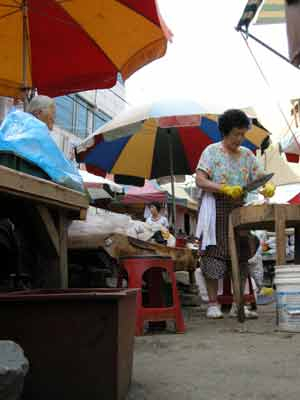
{"x": 263, "y": 12}
{"x": 182, "y": 197}
{"x": 272, "y": 12}
{"x": 61, "y": 47}
{"x": 92, "y": 181}
{"x": 149, "y": 193}
{"x": 137, "y": 141}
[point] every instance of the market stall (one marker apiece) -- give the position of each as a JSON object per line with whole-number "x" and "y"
{"x": 272, "y": 217}
{"x": 44, "y": 210}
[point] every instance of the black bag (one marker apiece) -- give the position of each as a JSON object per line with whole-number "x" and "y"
{"x": 158, "y": 237}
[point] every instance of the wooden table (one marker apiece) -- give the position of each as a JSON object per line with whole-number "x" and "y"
{"x": 275, "y": 217}
{"x": 48, "y": 208}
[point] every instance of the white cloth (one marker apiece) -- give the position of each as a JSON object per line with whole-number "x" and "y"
{"x": 206, "y": 225}
{"x": 161, "y": 221}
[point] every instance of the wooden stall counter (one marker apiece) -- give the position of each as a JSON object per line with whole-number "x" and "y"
{"x": 272, "y": 217}
{"x": 47, "y": 209}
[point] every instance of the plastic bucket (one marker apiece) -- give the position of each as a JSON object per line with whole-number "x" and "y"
{"x": 287, "y": 282}
{"x": 288, "y": 269}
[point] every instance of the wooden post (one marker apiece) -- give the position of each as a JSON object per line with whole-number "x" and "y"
{"x": 63, "y": 256}
{"x": 297, "y": 244}
{"x": 193, "y": 288}
{"x": 279, "y": 216}
{"x": 47, "y": 225}
{"x": 236, "y": 279}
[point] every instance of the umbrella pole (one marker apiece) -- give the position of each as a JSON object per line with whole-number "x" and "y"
{"x": 25, "y": 52}
{"x": 172, "y": 178}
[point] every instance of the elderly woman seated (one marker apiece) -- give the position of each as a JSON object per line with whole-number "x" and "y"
{"x": 43, "y": 108}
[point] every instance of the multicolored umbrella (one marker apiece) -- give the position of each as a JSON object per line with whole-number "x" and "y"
{"x": 60, "y": 47}
{"x": 136, "y": 142}
{"x": 162, "y": 139}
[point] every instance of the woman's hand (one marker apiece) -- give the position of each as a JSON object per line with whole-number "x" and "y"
{"x": 235, "y": 192}
{"x": 268, "y": 190}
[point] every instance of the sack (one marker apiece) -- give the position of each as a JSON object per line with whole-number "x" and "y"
{"x": 158, "y": 237}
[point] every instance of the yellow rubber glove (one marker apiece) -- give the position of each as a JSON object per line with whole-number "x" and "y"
{"x": 268, "y": 190}
{"x": 235, "y": 192}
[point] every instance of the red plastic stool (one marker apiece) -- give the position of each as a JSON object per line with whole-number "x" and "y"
{"x": 136, "y": 267}
{"x": 180, "y": 242}
{"x": 227, "y": 298}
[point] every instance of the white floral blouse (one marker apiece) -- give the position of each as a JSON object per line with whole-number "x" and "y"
{"x": 223, "y": 168}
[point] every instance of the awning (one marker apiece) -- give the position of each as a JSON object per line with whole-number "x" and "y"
{"x": 249, "y": 13}
{"x": 182, "y": 197}
{"x": 266, "y": 12}
{"x": 92, "y": 181}
{"x": 290, "y": 145}
{"x": 284, "y": 173}
{"x": 272, "y": 12}
{"x": 150, "y": 192}
{"x": 287, "y": 194}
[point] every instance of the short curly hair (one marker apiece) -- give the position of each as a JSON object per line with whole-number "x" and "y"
{"x": 156, "y": 205}
{"x": 231, "y": 119}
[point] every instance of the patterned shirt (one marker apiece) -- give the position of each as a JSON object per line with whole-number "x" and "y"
{"x": 222, "y": 167}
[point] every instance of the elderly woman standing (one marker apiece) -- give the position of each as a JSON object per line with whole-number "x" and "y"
{"x": 223, "y": 169}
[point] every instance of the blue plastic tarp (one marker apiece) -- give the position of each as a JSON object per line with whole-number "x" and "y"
{"x": 26, "y": 136}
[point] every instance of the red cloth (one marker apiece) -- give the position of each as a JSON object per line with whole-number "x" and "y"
{"x": 294, "y": 158}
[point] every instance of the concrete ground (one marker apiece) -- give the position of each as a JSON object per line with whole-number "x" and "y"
{"x": 218, "y": 360}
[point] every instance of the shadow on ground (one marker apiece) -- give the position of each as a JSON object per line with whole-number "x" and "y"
{"x": 220, "y": 359}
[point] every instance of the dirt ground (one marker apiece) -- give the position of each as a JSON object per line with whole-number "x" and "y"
{"x": 218, "y": 360}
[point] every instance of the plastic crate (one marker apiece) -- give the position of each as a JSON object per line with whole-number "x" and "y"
{"x": 17, "y": 163}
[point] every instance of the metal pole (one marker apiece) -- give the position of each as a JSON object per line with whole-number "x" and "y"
{"x": 239, "y": 29}
{"x": 171, "y": 160}
{"x": 25, "y": 52}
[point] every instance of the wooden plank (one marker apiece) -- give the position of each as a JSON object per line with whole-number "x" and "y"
{"x": 37, "y": 189}
{"x": 292, "y": 212}
{"x": 236, "y": 279}
{"x": 280, "y": 222}
{"x": 49, "y": 226}
{"x": 252, "y": 215}
{"x": 297, "y": 244}
{"x": 63, "y": 257}
{"x": 263, "y": 214}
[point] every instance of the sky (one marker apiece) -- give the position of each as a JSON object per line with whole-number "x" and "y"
{"x": 209, "y": 62}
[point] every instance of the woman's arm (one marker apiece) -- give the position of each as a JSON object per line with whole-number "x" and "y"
{"x": 204, "y": 183}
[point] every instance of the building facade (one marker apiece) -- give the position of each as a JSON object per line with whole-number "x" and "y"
{"x": 80, "y": 114}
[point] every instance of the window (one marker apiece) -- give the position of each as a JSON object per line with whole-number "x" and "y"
{"x": 64, "y": 112}
{"x": 99, "y": 120}
{"x": 81, "y": 128}
{"x": 77, "y": 116}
